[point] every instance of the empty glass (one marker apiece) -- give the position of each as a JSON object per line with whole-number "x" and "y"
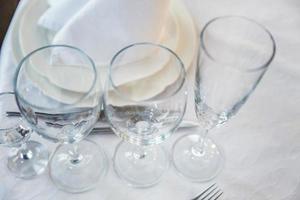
{"x": 235, "y": 53}
{"x": 144, "y": 110}
{"x": 59, "y": 93}
{"x": 27, "y": 158}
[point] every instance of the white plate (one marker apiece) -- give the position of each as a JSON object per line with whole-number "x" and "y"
{"x": 31, "y": 37}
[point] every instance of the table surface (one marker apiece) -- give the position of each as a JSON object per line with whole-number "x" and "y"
{"x": 261, "y": 143}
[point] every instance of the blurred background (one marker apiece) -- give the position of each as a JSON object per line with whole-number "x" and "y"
{"x": 7, "y": 8}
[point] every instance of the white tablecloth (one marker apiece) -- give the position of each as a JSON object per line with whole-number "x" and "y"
{"x": 262, "y": 143}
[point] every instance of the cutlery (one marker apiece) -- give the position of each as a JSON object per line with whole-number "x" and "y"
{"x": 211, "y": 193}
{"x": 105, "y": 128}
{"x": 56, "y": 116}
{"x": 102, "y": 127}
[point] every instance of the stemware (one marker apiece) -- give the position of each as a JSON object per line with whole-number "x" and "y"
{"x": 28, "y": 158}
{"x": 62, "y": 81}
{"x": 235, "y": 53}
{"x": 143, "y": 112}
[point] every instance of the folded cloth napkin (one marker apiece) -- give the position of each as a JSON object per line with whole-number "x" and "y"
{"x": 107, "y": 26}
{"x": 59, "y": 13}
{"x": 101, "y": 28}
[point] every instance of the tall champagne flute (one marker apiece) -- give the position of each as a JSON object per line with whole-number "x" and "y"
{"x": 28, "y": 158}
{"x": 235, "y": 53}
{"x": 59, "y": 93}
{"x": 142, "y": 111}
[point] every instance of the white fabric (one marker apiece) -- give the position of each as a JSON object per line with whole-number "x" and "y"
{"x": 59, "y": 13}
{"x": 171, "y": 25}
{"x": 115, "y": 24}
{"x": 262, "y": 143}
{"x": 3, "y": 190}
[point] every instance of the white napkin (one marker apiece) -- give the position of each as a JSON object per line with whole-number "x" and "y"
{"x": 59, "y": 13}
{"x": 102, "y": 27}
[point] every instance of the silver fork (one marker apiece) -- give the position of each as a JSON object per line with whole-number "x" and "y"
{"x": 211, "y": 193}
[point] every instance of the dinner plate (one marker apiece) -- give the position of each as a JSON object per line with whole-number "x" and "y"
{"x": 32, "y": 40}
{"x": 181, "y": 38}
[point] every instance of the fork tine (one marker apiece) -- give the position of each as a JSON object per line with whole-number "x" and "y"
{"x": 218, "y": 196}
{"x": 208, "y": 194}
{"x": 197, "y": 197}
{"x": 216, "y": 193}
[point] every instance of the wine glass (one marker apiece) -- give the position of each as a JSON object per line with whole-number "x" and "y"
{"x": 28, "y": 158}
{"x": 143, "y": 111}
{"x": 59, "y": 93}
{"x": 235, "y": 53}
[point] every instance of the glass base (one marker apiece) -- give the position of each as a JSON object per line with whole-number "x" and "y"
{"x": 80, "y": 174}
{"x": 29, "y": 162}
{"x": 140, "y": 166}
{"x": 195, "y": 163}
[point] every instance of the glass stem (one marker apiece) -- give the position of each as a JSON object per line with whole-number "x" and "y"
{"x": 23, "y": 152}
{"x": 23, "y": 147}
{"x": 76, "y": 157}
{"x": 202, "y": 141}
{"x": 198, "y": 148}
{"x": 140, "y": 152}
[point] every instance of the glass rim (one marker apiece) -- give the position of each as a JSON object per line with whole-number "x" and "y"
{"x": 121, "y": 94}
{"x": 19, "y": 118}
{"x": 207, "y": 25}
{"x": 18, "y": 95}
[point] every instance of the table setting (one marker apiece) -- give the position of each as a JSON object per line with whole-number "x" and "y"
{"x": 150, "y": 100}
